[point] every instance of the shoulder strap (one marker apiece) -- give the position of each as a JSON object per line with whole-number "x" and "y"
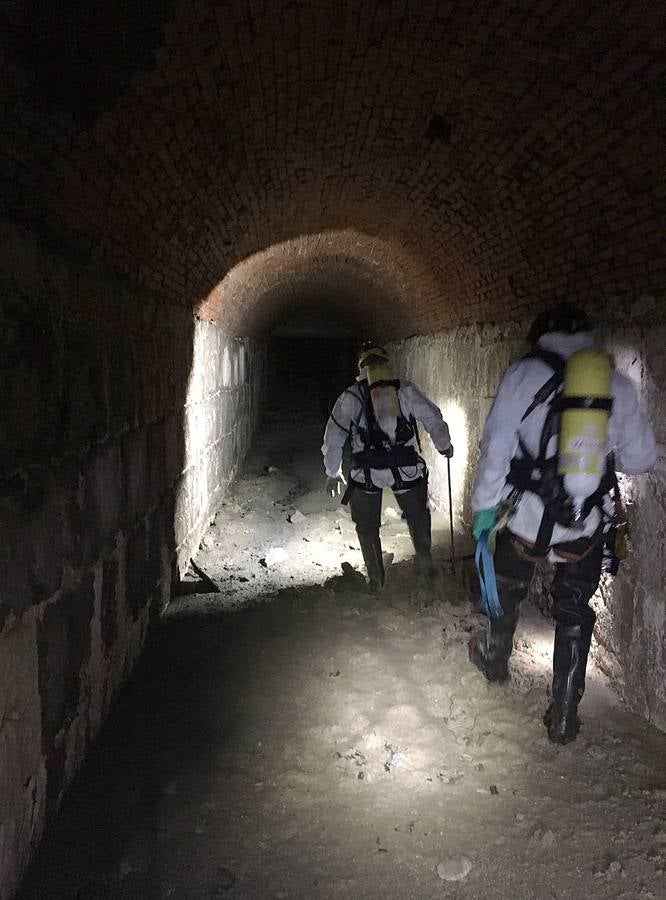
{"x": 556, "y": 363}
{"x": 553, "y": 360}
{"x": 359, "y": 395}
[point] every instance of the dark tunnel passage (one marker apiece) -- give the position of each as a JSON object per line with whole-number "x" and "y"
{"x": 205, "y": 208}
{"x": 310, "y": 360}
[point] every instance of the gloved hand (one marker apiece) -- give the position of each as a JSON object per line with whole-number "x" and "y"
{"x": 484, "y": 521}
{"x": 335, "y": 486}
{"x": 448, "y": 453}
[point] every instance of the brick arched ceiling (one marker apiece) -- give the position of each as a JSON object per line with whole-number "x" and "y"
{"x": 425, "y": 164}
{"x": 374, "y": 285}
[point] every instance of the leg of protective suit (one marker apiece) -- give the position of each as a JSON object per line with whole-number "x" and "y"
{"x": 490, "y": 650}
{"x": 573, "y": 586}
{"x": 414, "y": 504}
{"x": 366, "y": 508}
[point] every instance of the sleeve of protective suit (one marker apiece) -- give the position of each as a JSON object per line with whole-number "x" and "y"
{"x": 500, "y": 440}
{"x": 337, "y": 431}
{"x": 428, "y": 413}
{"x": 634, "y": 442}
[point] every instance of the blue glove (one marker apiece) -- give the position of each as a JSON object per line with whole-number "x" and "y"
{"x": 448, "y": 453}
{"x": 484, "y": 521}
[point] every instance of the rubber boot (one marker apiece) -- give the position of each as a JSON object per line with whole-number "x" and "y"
{"x": 420, "y": 532}
{"x": 490, "y": 650}
{"x": 371, "y": 548}
{"x": 425, "y": 569}
{"x": 569, "y": 663}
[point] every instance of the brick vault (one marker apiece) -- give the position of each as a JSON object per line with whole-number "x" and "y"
{"x": 500, "y": 154}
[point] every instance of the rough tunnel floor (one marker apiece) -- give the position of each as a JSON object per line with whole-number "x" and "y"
{"x": 294, "y": 737}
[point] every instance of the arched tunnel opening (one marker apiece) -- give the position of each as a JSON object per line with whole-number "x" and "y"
{"x": 206, "y": 209}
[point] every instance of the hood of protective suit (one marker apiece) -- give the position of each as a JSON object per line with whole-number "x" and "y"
{"x": 565, "y": 344}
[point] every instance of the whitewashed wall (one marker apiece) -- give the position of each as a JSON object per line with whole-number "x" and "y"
{"x": 222, "y": 411}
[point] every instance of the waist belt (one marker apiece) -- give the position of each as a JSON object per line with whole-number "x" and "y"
{"x": 572, "y": 551}
{"x": 378, "y": 458}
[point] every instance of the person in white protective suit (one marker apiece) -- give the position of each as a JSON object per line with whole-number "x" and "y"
{"x": 520, "y": 479}
{"x": 377, "y": 416}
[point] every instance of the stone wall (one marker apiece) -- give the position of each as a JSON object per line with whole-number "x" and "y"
{"x": 222, "y": 410}
{"x": 460, "y": 370}
{"x": 113, "y": 450}
{"x": 631, "y": 609}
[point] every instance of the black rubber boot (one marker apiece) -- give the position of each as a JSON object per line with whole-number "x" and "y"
{"x": 569, "y": 664}
{"x": 490, "y": 650}
{"x": 426, "y": 570}
{"x": 371, "y": 548}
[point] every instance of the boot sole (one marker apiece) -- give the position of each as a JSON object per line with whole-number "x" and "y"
{"x": 557, "y": 736}
{"x": 479, "y": 661}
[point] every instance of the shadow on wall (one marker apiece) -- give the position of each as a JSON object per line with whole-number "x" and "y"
{"x": 92, "y": 450}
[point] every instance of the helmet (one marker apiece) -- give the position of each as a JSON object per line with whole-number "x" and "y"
{"x": 565, "y": 318}
{"x": 370, "y": 355}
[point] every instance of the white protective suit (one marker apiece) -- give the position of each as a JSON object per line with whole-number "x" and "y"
{"x": 630, "y": 438}
{"x": 349, "y": 413}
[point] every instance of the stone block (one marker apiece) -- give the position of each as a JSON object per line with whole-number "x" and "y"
{"x": 103, "y": 495}
{"x": 135, "y": 483}
{"x": 137, "y": 573}
{"x": 16, "y": 553}
{"x": 32, "y": 384}
{"x": 63, "y": 644}
{"x": 22, "y": 772}
{"x": 147, "y": 376}
{"x": 83, "y": 402}
{"x": 43, "y": 529}
{"x": 174, "y": 447}
{"x": 156, "y": 461}
{"x": 119, "y": 364}
{"x": 109, "y": 602}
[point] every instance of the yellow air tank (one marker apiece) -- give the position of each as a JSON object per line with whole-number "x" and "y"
{"x": 379, "y": 371}
{"x": 384, "y": 397}
{"x": 586, "y": 407}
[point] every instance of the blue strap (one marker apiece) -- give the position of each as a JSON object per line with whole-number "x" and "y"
{"x": 485, "y": 566}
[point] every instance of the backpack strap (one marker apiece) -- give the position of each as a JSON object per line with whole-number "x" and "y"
{"x": 546, "y": 486}
{"x": 556, "y": 363}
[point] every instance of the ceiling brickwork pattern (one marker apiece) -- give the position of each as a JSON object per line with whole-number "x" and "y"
{"x": 270, "y": 154}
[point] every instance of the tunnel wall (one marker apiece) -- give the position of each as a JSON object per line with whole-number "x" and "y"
{"x": 94, "y": 376}
{"x": 123, "y": 422}
{"x": 222, "y": 411}
{"x": 631, "y": 609}
{"x": 460, "y": 370}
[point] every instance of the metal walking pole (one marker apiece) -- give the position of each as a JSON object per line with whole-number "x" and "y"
{"x": 453, "y": 548}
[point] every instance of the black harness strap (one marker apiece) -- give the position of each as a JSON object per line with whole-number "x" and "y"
{"x": 415, "y": 429}
{"x": 554, "y": 362}
{"x": 341, "y": 427}
{"x": 604, "y": 403}
{"x": 378, "y": 453}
